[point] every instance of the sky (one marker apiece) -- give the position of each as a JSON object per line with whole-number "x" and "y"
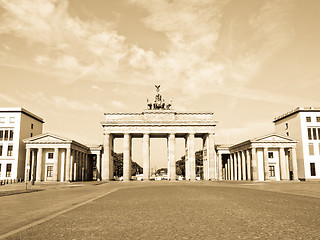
{"x": 247, "y": 61}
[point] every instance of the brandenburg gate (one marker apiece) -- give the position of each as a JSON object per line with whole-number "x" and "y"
{"x": 160, "y": 121}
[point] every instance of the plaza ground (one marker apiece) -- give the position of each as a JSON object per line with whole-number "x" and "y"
{"x": 161, "y": 210}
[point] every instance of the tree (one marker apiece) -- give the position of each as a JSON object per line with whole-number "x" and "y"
{"x": 118, "y": 165}
{"x": 180, "y": 165}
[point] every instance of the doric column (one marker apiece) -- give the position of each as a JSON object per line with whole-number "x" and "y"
{"x": 55, "y": 164}
{"x": 98, "y": 165}
{"x": 33, "y": 164}
{"x": 192, "y": 157}
{"x": 266, "y": 164}
{"x": 68, "y": 164}
{"x": 244, "y": 166}
{"x": 86, "y": 166}
{"x": 78, "y": 162}
{"x": 107, "y": 161}
{"x": 239, "y": 166}
{"x": 283, "y": 170}
{"x": 235, "y": 166}
{"x": 294, "y": 164}
{"x": 205, "y": 157}
{"x": 186, "y": 158}
{"x": 71, "y": 165}
{"x": 146, "y": 156}
{"x": 62, "y": 164}
{"x": 27, "y": 165}
{"x": 126, "y": 157}
{"x": 172, "y": 157}
{"x": 39, "y": 165}
{"x": 255, "y": 176}
{"x": 229, "y": 168}
{"x": 248, "y": 164}
{"x": 211, "y": 157}
{"x": 220, "y": 167}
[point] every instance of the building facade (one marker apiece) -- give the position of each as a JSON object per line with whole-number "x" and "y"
{"x": 16, "y": 124}
{"x": 303, "y": 124}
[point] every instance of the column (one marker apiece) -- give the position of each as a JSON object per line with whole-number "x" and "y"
{"x": 78, "y": 177}
{"x": 192, "y": 157}
{"x": 229, "y": 168}
{"x": 248, "y": 165}
{"x": 266, "y": 164}
{"x": 68, "y": 164}
{"x": 107, "y": 161}
{"x": 98, "y": 165}
{"x": 33, "y": 164}
{"x": 255, "y": 176}
{"x": 205, "y": 158}
{"x": 71, "y": 178}
{"x": 239, "y": 165}
{"x": 294, "y": 164}
{"x": 55, "y": 164}
{"x": 27, "y": 165}
{"x": 220, "y": 167}
{"x": 186, "y": 167}
{"x": 146, "y": 156}
{"x": 211, "y": 157}
{"x": 172, "y": 157}
{"x": 39, "y": 165}
{"x": 283, "y": 170}
{"x": 233, "y": 167}
{"x": 126, "y": 157}
{"x": 62, "y": 163}
{"x": 244, "y": 166}
{"x": 86, "y": 167}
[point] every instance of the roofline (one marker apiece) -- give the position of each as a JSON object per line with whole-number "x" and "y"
{"x": 157, "y": 111}
{"x": 24, "y": 111}
{"x": 296, "y": 110}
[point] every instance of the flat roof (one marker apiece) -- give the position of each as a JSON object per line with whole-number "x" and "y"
{"x": 296, "y": 110}
{"x": 22, "y": 110}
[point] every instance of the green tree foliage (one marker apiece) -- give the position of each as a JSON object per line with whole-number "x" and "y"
{"x": 118, "y": 165}
{"x": 180, "y": 165}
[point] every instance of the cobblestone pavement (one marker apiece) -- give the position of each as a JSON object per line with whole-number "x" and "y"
{"x": 186, "y": 211}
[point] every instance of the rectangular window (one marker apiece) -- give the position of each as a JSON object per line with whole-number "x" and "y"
{"x": 272, "y": 171}
{"x": 50, "y": 155}
{"x": 49, "y": 171}
{"x": 6, "y": 135}
{"x": 1, "y": 135}
{"x": 270, "y": 154}
{"x": 10, "y": 150}
{"x": 11, "y": 135}
{"x": 309, "y": 134}
{"x": 2, "y": 119}
{"x": 312, "y": 169}
{"x": 287, "y": 134}
{"x": 286, "y": 126}
{"x": 311, "y": 149}
{"x": 31, "y": 125}
{"x": 0, "y": 169}
{"x": 319, "y": 133}
{"x": 1, "y": 148}
{"x": 31, "y": 134}
{"x": 12, "y": 119}
{"x": 308, "y": 119}
{"x": 314, "y": 131}
{"x": 318, "y": 119}
{"x": 8, "y": 172}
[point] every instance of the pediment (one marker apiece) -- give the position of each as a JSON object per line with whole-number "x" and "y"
{"x": 47, "y": 137}
{"x": 273, "y": 137}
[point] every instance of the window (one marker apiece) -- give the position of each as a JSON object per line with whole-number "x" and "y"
{"x": 314, "y": 131}
{"x": 287, "y": 134}
{"x": 6, "y": 135}
{"x": 318, "y": 119}
{"x": 2, "y": 119}
{"x": 272, "y": 171}
{"x": 31, "y": 134}
{"x": 11, "y": 135}
{"x": 8, "y": 172}
{"x": 10, "y": 150}
{"x": 309, "y": 134}
{"x": 49, "y": 171}
{"x": 1, "y": 148}
{"x": 286, "y": 126}
{"x": 50, "y": 155}
{"x": 308, "y": 119}
{"x": 0, "y": 169}
{"x": 312, "y": 169}
{"x": 31, "y": 125}
{"x": 12, "y": 120}
{"x": 270, "y": 154}
{"x": 1, "y": 135}
{"x": 311, "y": 149}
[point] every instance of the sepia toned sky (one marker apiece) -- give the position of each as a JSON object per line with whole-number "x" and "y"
{"x": 246, "y": 60}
